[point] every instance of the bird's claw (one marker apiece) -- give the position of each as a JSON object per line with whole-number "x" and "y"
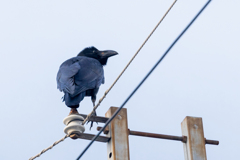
{"x": 93, "y": 114}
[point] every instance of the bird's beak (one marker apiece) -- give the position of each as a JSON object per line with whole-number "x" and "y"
{"x": 108, "y": 53}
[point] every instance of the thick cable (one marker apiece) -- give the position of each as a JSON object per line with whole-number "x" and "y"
{"x": 118, "y": 110}
{"x": 106, "y": 92}
{"x": 45, "y": 150}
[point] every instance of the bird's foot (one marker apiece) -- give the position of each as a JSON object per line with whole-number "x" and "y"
{"x": 93, "y": 114}
{"x": 73, "y": 111}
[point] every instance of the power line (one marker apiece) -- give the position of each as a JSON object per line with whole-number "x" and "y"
{"x": 139, "y": 85}
{"x": 50, "y": 147}
{"x": 106, "y": 92}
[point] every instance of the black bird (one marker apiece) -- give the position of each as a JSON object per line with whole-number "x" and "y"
{"x": 82, "y": 76}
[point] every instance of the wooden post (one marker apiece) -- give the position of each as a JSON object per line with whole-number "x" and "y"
{"x": 118, "y": 146}
{"x": 194, "y": 149}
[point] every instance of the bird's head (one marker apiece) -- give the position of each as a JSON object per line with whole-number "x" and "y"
{"x": 101, "y": 56}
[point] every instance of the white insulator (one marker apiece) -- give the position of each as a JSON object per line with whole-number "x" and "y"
{"x": 73, "y": 124}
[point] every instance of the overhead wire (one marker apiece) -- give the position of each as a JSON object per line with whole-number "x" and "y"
{"x": 50, "y": 147}
{"x": 144, "y": 79}
{"x": 107, "y": 91}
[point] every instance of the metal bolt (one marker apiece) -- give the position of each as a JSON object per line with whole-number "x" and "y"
{"x": 119, "y": 117}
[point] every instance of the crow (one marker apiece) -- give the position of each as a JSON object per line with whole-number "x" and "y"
{"x": 82, "y": 76}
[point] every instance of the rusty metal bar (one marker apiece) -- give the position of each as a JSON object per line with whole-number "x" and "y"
{"x": 162, "y": 136}
{"x": 105, "y": 131}
{"x": 213, "y": 142}
{"x": 95, "y": 118}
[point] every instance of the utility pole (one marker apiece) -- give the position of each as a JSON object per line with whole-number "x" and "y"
{"x": 117, "y": 133}
{"x": 118, "y": 146}
{"x": 194, "y": 148}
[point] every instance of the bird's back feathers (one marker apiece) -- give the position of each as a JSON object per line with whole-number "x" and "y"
{"x": 79, "y": 74}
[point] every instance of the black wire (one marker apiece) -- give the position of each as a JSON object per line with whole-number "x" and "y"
{"x": 110, "y": 119}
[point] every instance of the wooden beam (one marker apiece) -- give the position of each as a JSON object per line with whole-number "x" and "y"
{"x": 194, "y": 148}
{"x": 118, "y": 146}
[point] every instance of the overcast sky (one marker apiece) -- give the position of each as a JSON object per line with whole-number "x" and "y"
{"x": 199, "y": 77}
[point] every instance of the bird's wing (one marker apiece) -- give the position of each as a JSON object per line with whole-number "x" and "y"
{"x": 90, "y": 76}
{"x": 65, "y": 75}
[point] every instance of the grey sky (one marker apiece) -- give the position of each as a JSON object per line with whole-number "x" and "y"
{"x": 200, "y": 76}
